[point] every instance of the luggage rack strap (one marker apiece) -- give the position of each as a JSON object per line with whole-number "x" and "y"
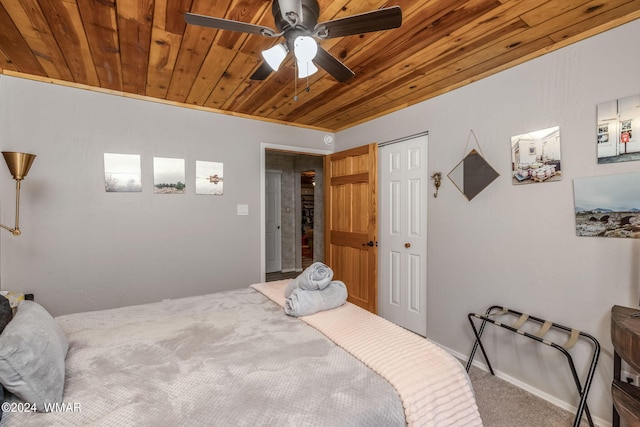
{"x": 496, "y": 312}
{"x": 544, "y": 329}
{"x": 521, "y": 321}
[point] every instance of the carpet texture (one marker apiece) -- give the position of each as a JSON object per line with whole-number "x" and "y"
{"x": 502, "y": 404}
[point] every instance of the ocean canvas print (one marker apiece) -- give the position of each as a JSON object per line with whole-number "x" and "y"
{"x": 209, "y": 178}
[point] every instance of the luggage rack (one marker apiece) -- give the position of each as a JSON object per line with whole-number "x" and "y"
{"x": 545, "y": 325}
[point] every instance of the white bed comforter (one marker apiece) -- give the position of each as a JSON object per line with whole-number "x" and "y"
{"x": 235, "y": 359}
{"x": 225, "y": 359}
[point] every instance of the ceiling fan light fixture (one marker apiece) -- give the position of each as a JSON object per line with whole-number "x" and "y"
{"x": 306, "y": 69}
{"x": 305, "y": 48}
{"x": 297, "y": 21}
{"x": 275, "y": 55}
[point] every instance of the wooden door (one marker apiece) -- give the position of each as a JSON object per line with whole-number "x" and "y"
{"x": 351, "y": 222}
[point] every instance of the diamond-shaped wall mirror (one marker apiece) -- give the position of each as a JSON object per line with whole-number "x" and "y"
{"x": 472, "y": 175}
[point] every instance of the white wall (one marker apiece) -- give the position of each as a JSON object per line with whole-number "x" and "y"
{"x": 85, "y": 249}
{"x": 516, "y": 245}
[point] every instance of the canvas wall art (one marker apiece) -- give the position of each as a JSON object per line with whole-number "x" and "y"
{"x": 122, "y": 173}
{"x": 618, "y": 130}
{"x": 168, "y": 176}
{"x": 535, "y": 157}
{"x": 608, "y": 206}
{"x": 209, "y": 178}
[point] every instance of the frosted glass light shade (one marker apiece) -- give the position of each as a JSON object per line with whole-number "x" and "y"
{"x": 305, "y": 69}
{"x": 275, "y": 55}
{"x": 305, "y": 48}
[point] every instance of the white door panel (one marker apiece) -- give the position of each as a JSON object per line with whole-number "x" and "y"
{"x": 273, "y": 233}
{"x": 403, "y": 240}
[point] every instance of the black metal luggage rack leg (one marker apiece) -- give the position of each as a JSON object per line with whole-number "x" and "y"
{"x": 574, "y": 335}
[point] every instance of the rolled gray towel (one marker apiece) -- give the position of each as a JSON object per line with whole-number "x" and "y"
{"x": 316, "y": 276}
{"x": 302, "y": 302}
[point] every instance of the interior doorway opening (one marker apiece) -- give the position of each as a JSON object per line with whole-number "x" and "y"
{"x": 307, "y": 214}
{"x": 301, "y": 211}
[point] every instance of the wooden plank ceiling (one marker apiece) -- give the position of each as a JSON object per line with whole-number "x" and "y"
{"x": 144, "y": 48}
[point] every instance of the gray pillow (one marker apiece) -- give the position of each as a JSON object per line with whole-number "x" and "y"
{"x": 32, "y": 352}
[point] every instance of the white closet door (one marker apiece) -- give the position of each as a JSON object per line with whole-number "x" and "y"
{"x": 273, "y": 232}
{"x": 402, "y": 296}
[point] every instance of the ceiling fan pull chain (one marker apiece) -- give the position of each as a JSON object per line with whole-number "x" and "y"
{"x": 295, "y": 81}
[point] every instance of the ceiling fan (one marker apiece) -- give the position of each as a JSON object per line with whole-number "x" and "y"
{"x": 297, "y": 21}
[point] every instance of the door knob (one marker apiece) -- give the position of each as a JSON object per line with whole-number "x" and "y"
{"x": 369, "y": 243}
{"x": 407, "y": 245}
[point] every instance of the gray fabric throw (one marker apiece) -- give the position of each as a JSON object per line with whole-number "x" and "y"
{"x": 316, "y": 276}
{"x": 227, "y": 359}
{"x": 303, "y": 303}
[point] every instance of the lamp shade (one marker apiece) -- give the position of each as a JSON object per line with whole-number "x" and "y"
{"x": 274, "y": 56}
{"x": 18, "y": 163}
{"x": 305, "y": 69}
{"x": 305, "y": 48}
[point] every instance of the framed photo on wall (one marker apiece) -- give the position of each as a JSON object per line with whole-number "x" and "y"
{"x": 122, "y": 173}
{"x": 535, "y": 157}
{"x": 617, "y": 130}
{"x": 168, "y": 176}
{"x": 608, "y": 206}
{"x": 209, "y": 178}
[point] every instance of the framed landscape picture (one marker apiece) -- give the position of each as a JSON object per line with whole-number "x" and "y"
{"x": 608, "y": 206}
{"x": 122, "y": 173}
{"x": 168, "y": 176}
{"x": 209, "y": 178}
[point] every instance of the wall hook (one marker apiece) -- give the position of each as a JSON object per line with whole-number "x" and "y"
{"x": 437, "y": 180}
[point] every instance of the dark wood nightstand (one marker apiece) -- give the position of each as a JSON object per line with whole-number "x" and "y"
{"x": 625, "y": 336}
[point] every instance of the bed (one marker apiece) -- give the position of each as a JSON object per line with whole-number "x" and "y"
{"x": 235, "y": 358}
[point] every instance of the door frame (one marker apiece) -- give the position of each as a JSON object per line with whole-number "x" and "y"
{"x": 264, "y": 146}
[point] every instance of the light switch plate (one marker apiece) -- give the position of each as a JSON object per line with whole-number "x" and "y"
{"x": 243, "y": 209}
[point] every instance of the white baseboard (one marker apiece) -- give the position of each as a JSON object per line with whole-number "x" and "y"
{"x": 600, "y": 422}
{"x": 288, "y": 270}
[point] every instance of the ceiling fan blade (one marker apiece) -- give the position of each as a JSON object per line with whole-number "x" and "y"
{"x": 333, "y": 66}
{"x": 376, "y": 20}
{"x": 262, "y": 72}
{"x": 291, "y": 11}
{"x": 226, "y": 24}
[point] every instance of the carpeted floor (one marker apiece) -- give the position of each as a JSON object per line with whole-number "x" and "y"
{"x": 502, "y": 404}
